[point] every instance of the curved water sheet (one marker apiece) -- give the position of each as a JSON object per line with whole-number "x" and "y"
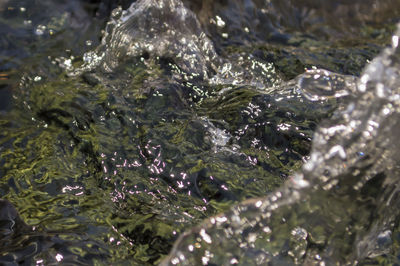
{"x": 163, "y": 28}
{"x": 170, "y": 33}
{"x": 341, "y": 208}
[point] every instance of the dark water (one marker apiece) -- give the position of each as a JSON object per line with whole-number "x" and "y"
{"x": 245, "y": 132}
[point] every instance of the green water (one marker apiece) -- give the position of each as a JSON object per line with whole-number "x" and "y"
{"x": 110, "y": 167}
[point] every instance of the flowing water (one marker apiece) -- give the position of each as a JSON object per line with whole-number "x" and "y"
{"x": 199, "y": 132}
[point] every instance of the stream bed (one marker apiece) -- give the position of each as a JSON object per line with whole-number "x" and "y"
{"x": 187, "y": 132}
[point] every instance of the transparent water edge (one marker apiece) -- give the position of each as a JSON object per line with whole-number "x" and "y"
{"x": 186, "y": 110}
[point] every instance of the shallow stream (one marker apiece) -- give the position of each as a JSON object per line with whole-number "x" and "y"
{"x": 191, "y": 132}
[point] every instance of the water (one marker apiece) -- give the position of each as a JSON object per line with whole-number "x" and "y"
{"x": 243, "y": 132}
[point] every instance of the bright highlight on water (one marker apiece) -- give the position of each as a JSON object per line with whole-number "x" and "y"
{"x": 199, "y": 132}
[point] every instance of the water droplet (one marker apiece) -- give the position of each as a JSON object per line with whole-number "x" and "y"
{"x": 40, "y": 30}
{"x": 395, "y": 41}
{"x": 220, "y": 22}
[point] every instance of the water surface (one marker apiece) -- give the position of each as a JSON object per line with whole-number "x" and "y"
{"x": 264, "y": 130}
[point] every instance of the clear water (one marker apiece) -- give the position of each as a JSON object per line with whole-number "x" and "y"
{"x": 199, "y": 132}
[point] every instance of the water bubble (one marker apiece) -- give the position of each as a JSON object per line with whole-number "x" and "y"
{"x": 395, "y": 41}
{"x": 220, "y": 22}
{"x": 40, "y": 30}
{"x": 59, "y": 257}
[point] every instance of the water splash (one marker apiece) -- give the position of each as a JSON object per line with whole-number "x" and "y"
{"x": 323, "y": 214}
{"x": 168, "y": 31}
{"x": 158, "y": 28}
{"x": 320, "y": 84}
{"x": 156, "y": 133}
